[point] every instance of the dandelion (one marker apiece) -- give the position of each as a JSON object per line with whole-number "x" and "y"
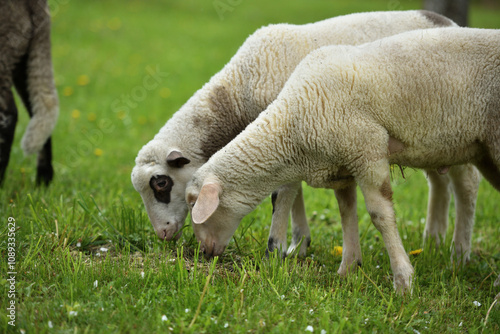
{"x": 51, "y": 325}
{"x": 476, "y": 303}
{"x": 92, "y": 117}
{"x": 165, "y": 92}
{"x": 309, "y": 329}
{"x": 337, "y": 251}
{"x": 83, "y": 80}
{"x": 121, "y": 115}
{"x": 95, "y": 284}
{"x": 68, "y": 91}
{"x": 98, "y": 152}
{"x": 75, "y": 113}
{"x": 164, "y": 318}
{"x": 416, "y": 251}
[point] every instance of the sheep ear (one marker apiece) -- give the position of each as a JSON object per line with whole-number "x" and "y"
{"x": 206, "y": 204}
{"x": 177, "y": 160}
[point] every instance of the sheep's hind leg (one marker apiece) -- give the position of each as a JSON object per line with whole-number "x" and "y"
{"x": 282, "y": 200}
{"x": 8, "y": 120}
{"x": 376, "y": 188}
{"x": 351, "y": 252}
{"x": 45, "y": 171}
{"x": 437, "y": 208}
{"x": 301, "y": 234}
{"x": 465, "y": 180}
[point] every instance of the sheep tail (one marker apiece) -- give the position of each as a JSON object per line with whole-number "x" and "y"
{"x": 40, "y": 85}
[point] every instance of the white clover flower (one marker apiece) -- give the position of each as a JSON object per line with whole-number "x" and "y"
{"x": 73, "y": 313}
{"x": 187, "y": 310}
{"x": 95, "y": 284}
{"x": 103, "y": 249}
{"x": 309, "y": 329}
{"x": 142, "y": 274}
{"x": 311, "y": 311}
{"x": 51, "y": 325}
{"x": 460, "y": 324}
{"x": 78, "y": 244}
{"x": 476, "y": 303}
{"x": 226, "y": 325}
{"x": 323, "y": 331}
{"x": 164, "y": 318}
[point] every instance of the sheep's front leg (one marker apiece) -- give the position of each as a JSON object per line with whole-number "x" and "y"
{"x": 465, "y": 181}
{"x": 437, "y": 207}
{"x": 301, "y": 234}
{"x": 378, "y": 198}
{"x": 282, "y": 200}
{"x": 351, "y": 252}
{"x": 8, "y": 120}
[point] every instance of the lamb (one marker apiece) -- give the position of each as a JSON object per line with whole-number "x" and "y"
{"x": 26, "y": 64}
{"x": 425, "y": 99}
{"x": 234, "y": 97}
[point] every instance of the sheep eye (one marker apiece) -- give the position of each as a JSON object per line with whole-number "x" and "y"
{"x": 162, "y": 186}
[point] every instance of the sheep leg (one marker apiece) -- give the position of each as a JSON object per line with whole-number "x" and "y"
{"x": 301, "y": 234}
{"x": 465, "y": 181}
{"x": 438, "y": 206}
{"x": 378, "y": 199}
{"x": 45, "y": 171}
{"x": 282, "y": 200}
{"x": 351, "y": 252}
{"x": 8, "y": 120}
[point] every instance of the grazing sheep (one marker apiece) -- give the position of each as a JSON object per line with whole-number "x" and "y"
{"x": 425, "y": 99}
{"x": 233, "y": 98}
{"x": 25, "y": 62}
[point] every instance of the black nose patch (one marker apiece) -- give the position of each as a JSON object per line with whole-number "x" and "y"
{"x": 162, "y": 186}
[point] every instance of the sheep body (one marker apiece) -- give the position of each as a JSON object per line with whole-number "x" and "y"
{"x": 233, "y": 98}
{"x": 425, "y": 99}
{"x": 26, "y": 64}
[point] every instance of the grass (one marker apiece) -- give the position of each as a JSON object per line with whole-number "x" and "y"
{"x": 87, "y": 259}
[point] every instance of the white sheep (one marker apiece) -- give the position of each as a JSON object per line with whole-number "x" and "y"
{"x": 425, "y": 99}
{"x": 25, "y": 62}
{"x": 235, "y": 96}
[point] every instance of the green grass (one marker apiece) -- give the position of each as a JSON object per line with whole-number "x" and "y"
{"x": 67, "y": 280}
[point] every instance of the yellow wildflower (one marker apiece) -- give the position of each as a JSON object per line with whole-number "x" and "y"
{"x": 416, "y": 251}
{"x": 75, "y": 113}
{"x": 92, "y": 117}
{"x": 67, "y": 91}
{"x": 83, "y": 80}
{"x": 165, "y": 92}
{"x": 337, "y": 251}
{"x": 98, "y": 152}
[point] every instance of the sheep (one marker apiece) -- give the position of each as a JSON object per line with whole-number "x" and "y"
{"x": 26, "y": 64}
{"x": 425, "y": 99}
{"x": 233, "y": 98}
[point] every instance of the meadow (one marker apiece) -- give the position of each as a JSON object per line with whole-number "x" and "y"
{"x": 87, "y": 259}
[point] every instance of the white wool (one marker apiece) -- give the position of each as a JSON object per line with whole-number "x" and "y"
{"x": 236, "y": 95}
{"x": 433, "y": 92}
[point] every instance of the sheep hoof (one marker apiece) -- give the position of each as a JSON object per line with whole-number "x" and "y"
{"x": 403, "y": 282}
